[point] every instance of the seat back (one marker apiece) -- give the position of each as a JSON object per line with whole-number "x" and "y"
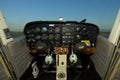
{"x": 20, "y": 58}
{"x": 101, "y": 59}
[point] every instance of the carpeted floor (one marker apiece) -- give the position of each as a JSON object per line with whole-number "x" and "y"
{"x": 88, "y": 74}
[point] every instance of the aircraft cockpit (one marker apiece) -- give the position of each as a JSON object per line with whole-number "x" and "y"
{"x": 61, "y": 46}
{"x": 60, "y": 50}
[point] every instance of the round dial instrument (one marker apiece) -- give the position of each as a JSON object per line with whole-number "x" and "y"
{"x": 84, "y": 31}
{"x": 57, "y": 30}
{"x": 51, "y": 36}
{"x": 37, "y": 29}
{"x": 44, "y": 29}
{"x": 44, "y": 36}
{"x": 51, "y": 30}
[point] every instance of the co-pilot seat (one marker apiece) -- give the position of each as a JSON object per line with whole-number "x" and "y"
{"x": 62, "y": 45}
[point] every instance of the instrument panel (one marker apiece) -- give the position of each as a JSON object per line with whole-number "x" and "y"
{"x": 41, "y": 35}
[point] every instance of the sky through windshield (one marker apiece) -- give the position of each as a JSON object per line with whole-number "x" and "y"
{"x": 100, "y": 12}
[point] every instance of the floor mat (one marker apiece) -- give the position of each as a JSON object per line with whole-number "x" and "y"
{"x": 89, "y": 74}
